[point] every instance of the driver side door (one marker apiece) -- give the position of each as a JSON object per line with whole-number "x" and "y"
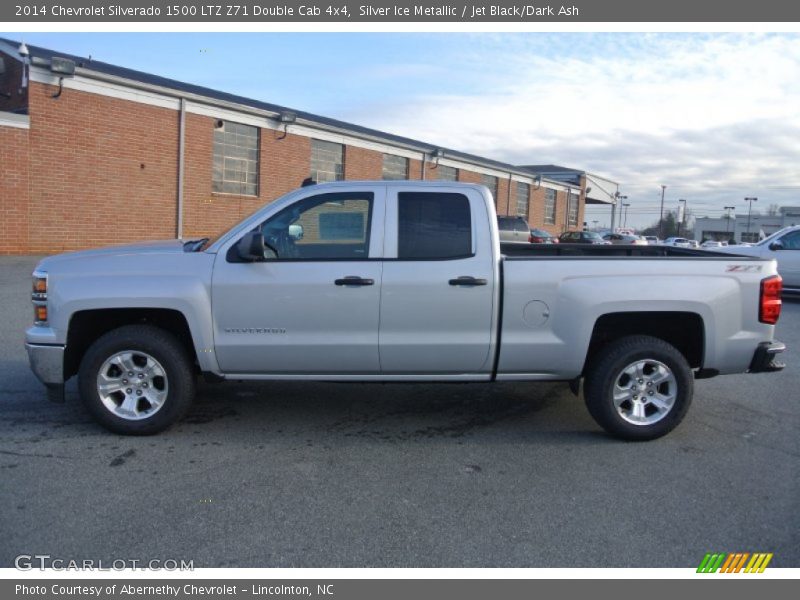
{"x": 314, "y": 309}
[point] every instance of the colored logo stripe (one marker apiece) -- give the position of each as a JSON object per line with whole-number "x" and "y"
{"x": 734, "y": 562}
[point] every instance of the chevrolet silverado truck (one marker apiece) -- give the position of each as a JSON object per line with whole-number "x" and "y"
{"x": 397, "y": 282}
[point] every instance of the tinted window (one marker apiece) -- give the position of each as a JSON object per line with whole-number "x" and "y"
{"x": 505, "y": 223}
{"x": 521, "y": 225}
{"x": 791, "y": 241}
{"x": 322, "y": 227}
{"x": 433, "y": 225}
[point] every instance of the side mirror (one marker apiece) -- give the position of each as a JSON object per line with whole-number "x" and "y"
{"x": 776, "y": 246}
{"x": 251, "y": 247}
{"x": 296, "y": 232}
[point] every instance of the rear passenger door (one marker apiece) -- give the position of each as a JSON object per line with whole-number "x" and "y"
{"x": 438, "y": 283}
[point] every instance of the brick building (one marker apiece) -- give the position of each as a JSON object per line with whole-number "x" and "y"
{"x": 94, "y": 154}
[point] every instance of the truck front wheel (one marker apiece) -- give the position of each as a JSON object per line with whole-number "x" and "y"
{"x": 638, "y": 388}
{"x": 136, "y": 380}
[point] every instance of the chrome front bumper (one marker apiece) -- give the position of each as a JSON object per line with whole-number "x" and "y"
{"x": 47, "y": 363}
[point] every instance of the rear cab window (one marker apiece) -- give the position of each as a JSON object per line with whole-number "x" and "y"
{"x": 433, "y": 226}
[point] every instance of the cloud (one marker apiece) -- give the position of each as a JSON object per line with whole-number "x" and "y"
{"x": 714, "y": 117}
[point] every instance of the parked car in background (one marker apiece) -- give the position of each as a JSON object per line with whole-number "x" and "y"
{"x": 677, "y": 241}
{"x": 652, "y": 240}
{"x": 625, "y": 239}
{"x": 514, "y": 229}
{"x": 783, "y": 246}
{"x": 713, "y": 244}
{"x": 581, "y": 237}
{"x": 694, "y": 244}
{"x": 540, "y": 236}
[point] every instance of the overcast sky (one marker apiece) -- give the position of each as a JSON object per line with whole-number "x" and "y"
{"x": 715, "y": 117}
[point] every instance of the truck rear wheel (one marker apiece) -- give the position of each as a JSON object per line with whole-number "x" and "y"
{"x": 638, "y": 388}
{"x": 136, "y": 380}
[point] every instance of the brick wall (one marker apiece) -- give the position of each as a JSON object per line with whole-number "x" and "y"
{"x": 363, "y": 164}
{"x": 103, "y": 171}
{"x": 14, "y": 193}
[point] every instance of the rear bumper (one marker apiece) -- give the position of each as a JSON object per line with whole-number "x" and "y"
{"x": 765, "y": 358}
{"x": 47, "y": 363}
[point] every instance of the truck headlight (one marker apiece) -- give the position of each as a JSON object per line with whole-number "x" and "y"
{"x": 39, "y": 297}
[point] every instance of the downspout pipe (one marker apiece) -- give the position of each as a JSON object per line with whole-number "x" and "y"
{"x": 181, "y": 166}
{"x": 508, "y": 197}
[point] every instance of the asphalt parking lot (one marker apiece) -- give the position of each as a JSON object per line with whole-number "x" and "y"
{"x": 340, "y": 475}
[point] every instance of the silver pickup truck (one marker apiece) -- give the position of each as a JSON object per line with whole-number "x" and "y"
{"x": 397, "y": 281}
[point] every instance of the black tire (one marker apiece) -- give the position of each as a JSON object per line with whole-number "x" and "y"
{"x": 608, "y": 368}
{"x": 172, "y": 357}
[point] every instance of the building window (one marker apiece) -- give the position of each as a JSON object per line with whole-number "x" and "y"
{"x": 523, "y": 196}
{"x": 572, "y": 210}
{"x": 434, "y": 226}
{"x": 235, "y": 167}
{"x": 395, "y": 167}
{"x": 444, "y": 173}
{"x": 327, "y": 161}
{"x": 549, "y": 207}
{"x": 490, "y": 181}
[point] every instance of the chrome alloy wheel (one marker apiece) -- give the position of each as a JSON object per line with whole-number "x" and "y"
{"x": 644, "y": 392}
{"x": 132, "y": 385}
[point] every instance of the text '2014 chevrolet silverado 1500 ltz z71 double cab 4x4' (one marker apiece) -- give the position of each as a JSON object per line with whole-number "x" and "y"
{"x": 397, "y": 281}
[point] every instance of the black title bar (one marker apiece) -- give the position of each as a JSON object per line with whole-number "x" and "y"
{"x": 399, "y": 11}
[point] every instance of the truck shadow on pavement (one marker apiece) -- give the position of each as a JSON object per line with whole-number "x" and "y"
{"x": 393, "y": 412}
{"x": 372, "y": 411}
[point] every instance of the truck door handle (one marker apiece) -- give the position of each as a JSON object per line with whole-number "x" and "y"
{"x": 354, "y": 280}
{"x": 468, "y": 280}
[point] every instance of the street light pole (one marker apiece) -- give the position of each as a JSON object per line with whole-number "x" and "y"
{"x": 682, "y": 220}
{"x": 749, "y": 210}
{"x": 625, "y": 205}
{"x": 661, "y": 217}
{"x": 617, "y": 199}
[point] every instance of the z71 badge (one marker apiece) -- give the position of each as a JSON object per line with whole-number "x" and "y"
{"x": 744, "y": 268}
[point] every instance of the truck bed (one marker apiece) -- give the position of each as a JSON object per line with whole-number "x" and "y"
{"x": 518, "y": 251}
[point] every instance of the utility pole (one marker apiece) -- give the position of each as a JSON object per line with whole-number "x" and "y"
{"x": 625, "y": 205}
{"x": 661, "y": 217}
{"x": 728, "y": 220}
{"x": 749, "y": 210}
